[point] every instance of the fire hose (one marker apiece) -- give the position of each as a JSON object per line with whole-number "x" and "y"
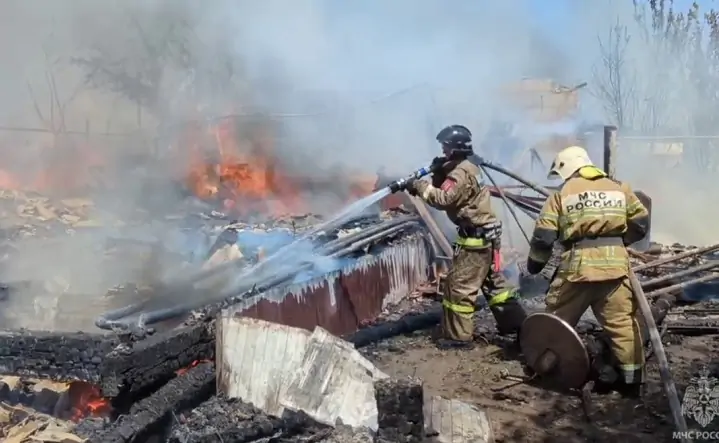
{"x": 527, "y": 207}
{"x": 664, "y": 372}
{"x": 538, "y": 188}
{"x": 504, "y": 198}
{"x": 137, "y": 314}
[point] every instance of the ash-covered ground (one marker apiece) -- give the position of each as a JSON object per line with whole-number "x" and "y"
{"x": 527, "y": 412}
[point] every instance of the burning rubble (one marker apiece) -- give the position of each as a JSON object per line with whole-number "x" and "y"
{"x": 241, "y": 172}
{"x": 127, "y": 371}
{"x": 232, "y": 180}
{"x": 375, "y": 261}
{"x": 155, "y": 357}
{"x": 164, "y": 364}
{"x": 166, "y": 383}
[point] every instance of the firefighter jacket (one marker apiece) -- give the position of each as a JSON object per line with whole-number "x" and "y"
{"x": 594, "y": 218}
{"x": 457, "y": 191}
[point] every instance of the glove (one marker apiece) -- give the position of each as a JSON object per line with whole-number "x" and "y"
{"x": 437, "y": 163}
{"x": 411, "y": 188}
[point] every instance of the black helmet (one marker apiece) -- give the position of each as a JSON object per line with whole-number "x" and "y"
{"x": 456, "y": 137}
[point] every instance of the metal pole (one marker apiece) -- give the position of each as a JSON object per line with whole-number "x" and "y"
{"x": 610, "y": 150}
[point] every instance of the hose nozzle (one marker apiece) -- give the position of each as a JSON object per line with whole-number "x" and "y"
{"x": 401, "y": 184}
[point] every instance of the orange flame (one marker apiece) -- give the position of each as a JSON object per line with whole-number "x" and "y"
{"x": 184, "y": 370}
{"x": 245, "y": 176}
{"x": 86, "y": 400}
{"x": 232, "y": 164}
{"x": 241, "y": 175}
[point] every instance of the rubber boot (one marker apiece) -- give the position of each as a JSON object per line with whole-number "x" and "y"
{"x": 607, "y": 379}
{"x": 631, "y": 391}
{"x": 509, "y": 316}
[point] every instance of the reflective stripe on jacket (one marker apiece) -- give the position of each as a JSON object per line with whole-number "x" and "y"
{"x": 590, "y": 206}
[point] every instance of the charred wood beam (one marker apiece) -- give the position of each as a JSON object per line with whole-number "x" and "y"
{"x": 407, "y": 324}
{"x": 132, "y": 370}
{"x": 223, "y": 420}
{"x": 57, "y": 356}
{"x": 693, "y": 326}
{"x": 154, "y": 414}
{"x": 400, "y": 410}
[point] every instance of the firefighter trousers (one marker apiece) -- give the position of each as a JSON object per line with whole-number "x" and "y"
{"x": 614, "y": 307}
{"x": 471, "y": 272}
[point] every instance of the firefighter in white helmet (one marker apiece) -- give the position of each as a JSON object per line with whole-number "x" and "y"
{"x": 594, "y": 218}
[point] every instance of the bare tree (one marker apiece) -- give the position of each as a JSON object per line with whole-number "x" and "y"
{"x": 614, "y": 80}
{"x": 685, "y": 47}
{"x": 161, "y": 60}
{"x": 666, "y": 75}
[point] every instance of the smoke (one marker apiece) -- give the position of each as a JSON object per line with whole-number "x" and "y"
{"x": 390, "y": 74}
{"x": 358, "y": 86}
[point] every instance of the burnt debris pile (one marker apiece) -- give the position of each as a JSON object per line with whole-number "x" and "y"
{"x": 226, "y": 419}
{"x": 152, "y": 374}
{"x": 149, "y": 416}
{"x": 230, "y": 277}
{"x": 77, "y": 356}
{"x": 244, "y": 347}
{"x": 189, "y": 408}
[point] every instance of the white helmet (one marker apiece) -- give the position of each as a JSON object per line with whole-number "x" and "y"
{"x": 568, "y": 161}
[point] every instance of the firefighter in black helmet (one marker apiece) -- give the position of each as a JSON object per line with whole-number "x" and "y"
{"x": 456, "y": 190}
{"x": 456, "y": 141}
